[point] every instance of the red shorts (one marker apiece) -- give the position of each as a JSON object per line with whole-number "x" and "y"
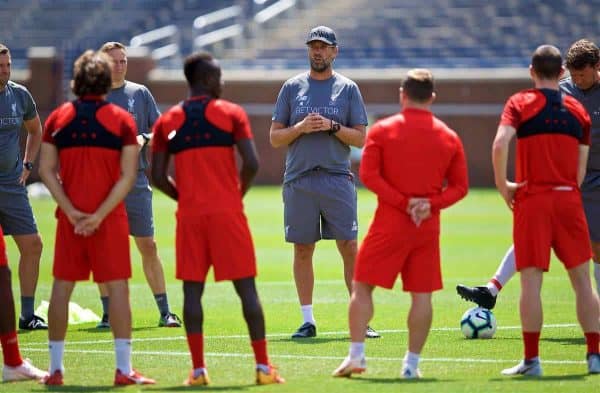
{"x": 3, "y": 257}
{"x": 388, "y": 251}
{"x": 550, "y": 220}
{"x": 105, "y": 253}
{"x": 220, "y": 240}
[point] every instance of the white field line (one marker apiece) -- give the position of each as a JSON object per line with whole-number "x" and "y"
{"x": 274, "y": 335}
{"x": 307, "y": 357}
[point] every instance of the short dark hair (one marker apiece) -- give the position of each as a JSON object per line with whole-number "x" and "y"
{"x": 201, "y": 68}
{"x": 418, "y": 84}
{"x": 582, "y": 53}
{"x": 4, "y": 50}
{"x": 547, "y": 62}
{"x": 91, "y": 74}
{"x": 108, "y": 46}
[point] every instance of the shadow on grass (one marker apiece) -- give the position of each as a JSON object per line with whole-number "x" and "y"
{"x": 203, "y": 388}
{"x": 80, "y": 388}
{"x": 565, "y": 340}
{"x": 105, "y": 330}
{"x": 312, "y": 340}
{"x": 523, "y": 378}
{"x": 397, "y": 380}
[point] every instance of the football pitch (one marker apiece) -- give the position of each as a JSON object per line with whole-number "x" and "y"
{"x": 475, "y": 235}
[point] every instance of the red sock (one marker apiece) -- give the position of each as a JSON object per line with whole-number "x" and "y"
{"x": 196, "y": 345}
{"x": 260, "y": 351}
{"x": 532, "y": 344}
{"x": 10, "y": 349}
{"x": 593, "y": 342}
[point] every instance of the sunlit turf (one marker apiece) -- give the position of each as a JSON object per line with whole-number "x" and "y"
{"x": 475, "y": 235}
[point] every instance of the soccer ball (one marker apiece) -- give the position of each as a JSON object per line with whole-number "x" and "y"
{"x": 478, "y": 322}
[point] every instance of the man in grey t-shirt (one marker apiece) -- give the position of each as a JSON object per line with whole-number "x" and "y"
{"x": 138, "y": 101}
{"x": 17, "y": 109}
{"x": 319, "y": 114}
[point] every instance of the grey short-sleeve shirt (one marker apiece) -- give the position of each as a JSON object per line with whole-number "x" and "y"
{"x": 337, "y": 98}
{"x": 138, "y": 101}
{"x": 591, "y": 101}
{"x": 16, "y": 106}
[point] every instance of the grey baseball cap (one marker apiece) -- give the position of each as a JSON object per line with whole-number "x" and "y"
{"x": 322, "y": 33}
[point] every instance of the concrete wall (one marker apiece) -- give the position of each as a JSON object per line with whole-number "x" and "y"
{"x": 469, "y": 101}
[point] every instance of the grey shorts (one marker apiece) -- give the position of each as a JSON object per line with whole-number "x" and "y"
{"x": 16, "y": 216}
{"x": 320, "y": 205}
{"x": 591, "y": 205}
{"x": 138, "y": 204}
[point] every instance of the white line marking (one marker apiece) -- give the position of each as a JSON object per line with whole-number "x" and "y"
{"x": 274, "y": 335}
{"x": 308, "y": 357}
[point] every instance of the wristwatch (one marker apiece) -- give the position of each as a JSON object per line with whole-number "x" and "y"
{"x": 335, "y": 127}
{"x": 28, "y": 165}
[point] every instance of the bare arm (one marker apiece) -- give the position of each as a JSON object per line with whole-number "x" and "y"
{"x": 582, "y": 163}
{"x": 49, "y": 173}
{"x": 160, "y": 176}
{"x": 32, "y": 146}
{"x": 507, "y": 189}
{"x": 280, "y": 135}
{"x": 129, "y": 165}
{"x": 353, "y": 136}
{"x": 249, "y": 168}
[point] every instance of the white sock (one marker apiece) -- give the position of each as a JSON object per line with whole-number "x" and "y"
{"x": 199, "y": 371}
{"x": 411, "y": 359}
{"x": 123, "y": 354}
{"x": 597, "y": 276}
{"x": 505, "y": 271}
{"x": 57, "y": 350}
{"x": 265, "y": 368}
{"x": 307, "y": 314}
{"x": 357, "y": 350}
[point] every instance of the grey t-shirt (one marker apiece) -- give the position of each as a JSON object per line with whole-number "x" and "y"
{"x": 138, "y": 101}
{"x": 16, "y": 106}
{"x": 337, "y": 98}
{"x": 591, "y": 101}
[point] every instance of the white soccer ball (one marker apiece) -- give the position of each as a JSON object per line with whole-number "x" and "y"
{"x": 478, "y": 322}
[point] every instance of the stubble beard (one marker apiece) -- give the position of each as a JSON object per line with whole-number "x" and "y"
{"x": 321, "y": 67}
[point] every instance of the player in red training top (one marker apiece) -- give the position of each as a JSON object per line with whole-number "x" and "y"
{"x": 200, "y": 134}
{"x": 90, "y": 145}
{"x": 416, "y": 166}
{"x": 553, "y": 137}
{"x": 15, "y": 368}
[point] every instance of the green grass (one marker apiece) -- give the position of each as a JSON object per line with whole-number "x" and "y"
{"x": 476, "y": 234}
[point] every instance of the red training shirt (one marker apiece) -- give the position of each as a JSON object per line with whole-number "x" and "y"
{"x": 414, "y": 154}
{"x": 89, "y": 134}
{"x": 201, "y": 133}
{"x": 550, "y": 127}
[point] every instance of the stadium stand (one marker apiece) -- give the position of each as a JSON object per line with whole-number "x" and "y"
{"x": 373, "y": 33}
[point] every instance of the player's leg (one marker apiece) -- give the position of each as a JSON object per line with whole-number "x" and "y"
{"x": 104, "y": 323}
{"x": 119, "y": 312}
{"x": 17, "y": 220}
{"x": 339, "y": 221}
{"x": 530, "y": 306}
{"x": 58, "y": 318}
{"x": 485, "y": 296}
{"x": 193, "y": 319}
{"x": 302, "y": 228}
{"x": 153, "y": 270}
{"x": 360, "y": 312}
{"x": 253, "y": 314}
{"x": 15, "y": 367}
{"x": 419, "y": 323}
{"x": 588, "y": 313}
{"x": 138, "y": 204}
{"x": 596, "y": 264}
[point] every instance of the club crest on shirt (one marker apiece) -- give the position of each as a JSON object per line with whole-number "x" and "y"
{"x": 13, "y": 109}
{"x": 130, "y": 104}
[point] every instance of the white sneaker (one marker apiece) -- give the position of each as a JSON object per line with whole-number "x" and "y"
{"x": 351, "y": 366}
{"x": 409, "y": 372}
{"x": 593, "y": 361}
{"x": 531, "y": 369}
{"x": 25, "y": 371}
